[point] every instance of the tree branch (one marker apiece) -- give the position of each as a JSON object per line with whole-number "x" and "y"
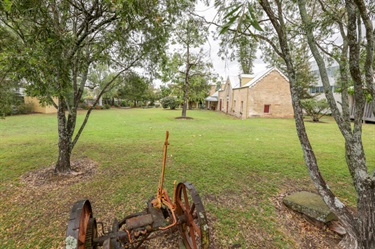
{"x": 99, "y": 96}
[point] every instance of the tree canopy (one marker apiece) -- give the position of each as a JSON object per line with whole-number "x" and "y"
{"x": 187, "y": 68}
{"x": 59, "y": 42}
{"x": 133, "y": 87}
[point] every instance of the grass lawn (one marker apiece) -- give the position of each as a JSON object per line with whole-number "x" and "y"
{"x": 238, "y": 166}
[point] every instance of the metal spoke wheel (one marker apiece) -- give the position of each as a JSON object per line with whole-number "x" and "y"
{"x": 193, "y": 221}
{"x": 82, "y": 227}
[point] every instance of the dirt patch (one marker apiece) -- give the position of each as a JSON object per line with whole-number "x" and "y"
{"x": 304, "y": 232}
{"x": 83, "y": 168}
{"x": 184, "y": 118}
{"x": 294, "y": 227}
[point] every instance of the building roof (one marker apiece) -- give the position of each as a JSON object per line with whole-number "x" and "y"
{"x": 261, "y": 75}
{"x": 235, "y": 81}
{"x": 213, "y": 97}
{"x": 247, "y": 75}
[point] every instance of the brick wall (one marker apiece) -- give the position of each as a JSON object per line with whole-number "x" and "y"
{"x": 269, "y": 97}
{"x": 37, "y": 107}
{"x": 273, "y": 91}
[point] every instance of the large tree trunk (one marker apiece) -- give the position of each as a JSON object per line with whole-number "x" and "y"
{"x": 186, "y": 86}
{"x": 366, "y": 216}
{"x": 351, "y": 223}
{"x": 63, "y": 161}
{"x": 65, "y": 132}
{"x": 364, "y": 226}
{"x": 186, "y": 98}
{"x": 64, "y": 143}
{"x": 361, "y": 226}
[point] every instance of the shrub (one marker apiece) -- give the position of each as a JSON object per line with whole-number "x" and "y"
{"x": 140, "y": 103}
{"x": 107, "y": 106}
{"x": 7, "y": 110}
{"x": 170, "y": 102}
{"x": 164, "y": 103}
{"x": 83, "y": 105}
{"x": 315, "y": 108}
{"x": 25, "y": 108}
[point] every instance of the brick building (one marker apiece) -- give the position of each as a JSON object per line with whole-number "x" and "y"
{"x": 266, "y": 94}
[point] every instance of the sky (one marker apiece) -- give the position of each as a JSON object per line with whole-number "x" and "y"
{"x": 223, "y": 68}
{"x": 226, "y": 67}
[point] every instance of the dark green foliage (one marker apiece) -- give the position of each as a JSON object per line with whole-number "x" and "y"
{"x": 12, "y": 103}
{"x": 170, "y": 102}
{"x": 165, "y": 91}
{"x": 187, "y": 69}
{"x": 315, "y": 108}
{"x": 24, "y": 108}
{"x": 133, "y": 88}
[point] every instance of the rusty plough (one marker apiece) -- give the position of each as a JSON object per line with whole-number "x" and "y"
{"x": 185, "y": 213}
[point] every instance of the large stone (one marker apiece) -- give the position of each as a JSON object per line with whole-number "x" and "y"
{"x": 309, "y": 204}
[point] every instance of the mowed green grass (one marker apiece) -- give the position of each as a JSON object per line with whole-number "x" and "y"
{"x": 238, "y": 166}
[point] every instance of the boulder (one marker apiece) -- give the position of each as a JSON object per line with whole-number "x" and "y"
{"x": 309, "y": 204}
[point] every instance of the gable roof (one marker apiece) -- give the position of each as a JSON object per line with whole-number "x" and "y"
{"x": 261, "y": 75}
{"x": 234, "y": 81}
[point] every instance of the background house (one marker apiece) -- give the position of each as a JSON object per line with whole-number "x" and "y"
{"x": 37, "y": 107}
{"x": 266, "y": 94}
{"x": 318, "y": 90}
{"x": 226, "y": 94}
{"x": 34, "y": 103}
{"x": 211, "y": 101}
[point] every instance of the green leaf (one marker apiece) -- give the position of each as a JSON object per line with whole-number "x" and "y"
{"x": 255, "y": 24}
{"x": 254, "y": 21}
{"x": 232, "y": 11}
{"x": 7, "y": 5}
{"x": 225, "y": 28}
{"x": 228, "y": 24}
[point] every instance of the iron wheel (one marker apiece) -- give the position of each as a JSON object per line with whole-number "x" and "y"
{"x": 81, "y": 223}
{"x": 193, "y": 224}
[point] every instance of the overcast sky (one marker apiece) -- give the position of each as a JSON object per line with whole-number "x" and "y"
{"x": 223, "y": 67}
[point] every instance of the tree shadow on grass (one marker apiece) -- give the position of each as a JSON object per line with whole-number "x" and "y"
{"x": 184, "y": 118}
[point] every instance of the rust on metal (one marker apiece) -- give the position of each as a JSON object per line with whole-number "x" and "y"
{"x": 139, "y": 221}
{"x": 159, "y": 195}
{"x": 185, "y": 212}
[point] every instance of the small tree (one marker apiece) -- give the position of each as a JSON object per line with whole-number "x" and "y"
{"x": 133, "y": 88}
{"x": 315, "y": 108}
{"x": 188, "y": 63}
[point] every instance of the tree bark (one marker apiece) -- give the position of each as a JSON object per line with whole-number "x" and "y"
{"x": 361, "y": 227}
{"x": 325, "y": 192}
{"x": 366, "y": 215}
{"x": 64, "y": 141}
{"x": 186, "y": 86}
{"x": 186, "y": 97}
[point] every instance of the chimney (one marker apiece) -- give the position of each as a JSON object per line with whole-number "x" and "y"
{"x": 212, "y": 89}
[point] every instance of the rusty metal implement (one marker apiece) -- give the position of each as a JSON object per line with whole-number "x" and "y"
{"x": 185, "y": 213}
